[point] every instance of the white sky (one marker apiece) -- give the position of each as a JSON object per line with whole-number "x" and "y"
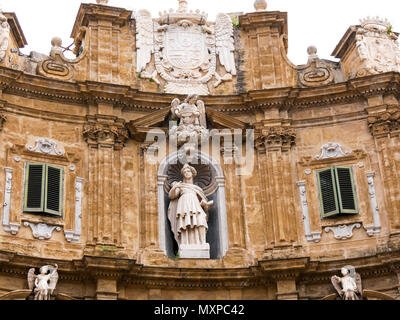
{"x": 311, "y": 22}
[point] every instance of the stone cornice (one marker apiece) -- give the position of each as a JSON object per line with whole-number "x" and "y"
{"x": 18, "y": 83}
{"x": 259, "y": 20}
{"x": 16, "y": 29}
{"x": 128, "y": 271}
{"x": 89, "y": 11}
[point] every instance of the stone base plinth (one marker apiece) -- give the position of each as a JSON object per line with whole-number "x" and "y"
{"x": 195, "y": 252}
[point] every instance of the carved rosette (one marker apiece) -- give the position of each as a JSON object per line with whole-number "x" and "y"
{"x": 273, "y": 138}
{"x": 386, "y": 123}
{"x": 108, "y": 132}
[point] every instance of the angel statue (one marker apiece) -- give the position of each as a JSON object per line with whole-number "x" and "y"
{"x": 4, "y": 35}
{"x": 44, "y": 283}
{"x": 192, "y": 125}
{"x": 188, "y": 214}
{"x": 349, "y": 286}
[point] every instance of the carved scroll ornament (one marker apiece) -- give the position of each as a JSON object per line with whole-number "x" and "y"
{"x": 57, "y": 66}
{"x": 316, "y": 73}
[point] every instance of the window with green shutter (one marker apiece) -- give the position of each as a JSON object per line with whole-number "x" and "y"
{"x": 43, "y": 189}
{"x": 337, "y": 192}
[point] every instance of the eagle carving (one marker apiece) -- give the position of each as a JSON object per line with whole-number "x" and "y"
{"x": 185, "y": 48}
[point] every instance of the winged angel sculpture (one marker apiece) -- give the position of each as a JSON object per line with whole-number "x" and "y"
{"x": 185, "y": 48}
{"x": 44, "y": 283}
{"x": 349, "y": 286}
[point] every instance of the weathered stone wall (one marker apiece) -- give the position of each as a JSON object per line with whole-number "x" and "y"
{"x": 278, "y": 247}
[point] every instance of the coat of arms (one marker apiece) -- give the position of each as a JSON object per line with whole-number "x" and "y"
{"x": 185, "y": 48}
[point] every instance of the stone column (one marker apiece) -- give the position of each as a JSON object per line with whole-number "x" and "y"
{"x": 275, "y": 173}
{"x": 234, "y": 199}
{"x": 384, "y": 125}
{"x": 106, "y": 136}
{"x": 149, "y": 236}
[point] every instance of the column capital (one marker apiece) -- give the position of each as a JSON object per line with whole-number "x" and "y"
{"x": 275, "y": 138}
{"x": 105, "y": 131}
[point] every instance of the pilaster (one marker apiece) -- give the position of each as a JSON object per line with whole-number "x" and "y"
{"x": 109, "y": 48}
{"x": 384, "y": 124}
{"x": 106, "y": 137}
{"x": 273, "y": 145}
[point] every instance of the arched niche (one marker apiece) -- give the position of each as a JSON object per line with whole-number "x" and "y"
{"x": 214, "y": 188}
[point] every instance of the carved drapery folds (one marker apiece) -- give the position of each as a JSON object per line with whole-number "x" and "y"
{"x": 105, "y": 131}
{"x": 4, "y": 36}
{"x": 275, "y": 138}
{"x": 386, "y": 123}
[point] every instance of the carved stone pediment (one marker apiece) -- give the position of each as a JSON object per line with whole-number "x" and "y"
{"x": 159, "y": 120}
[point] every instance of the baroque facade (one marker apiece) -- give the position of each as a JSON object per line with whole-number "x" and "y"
{"x": 89, "y": 189}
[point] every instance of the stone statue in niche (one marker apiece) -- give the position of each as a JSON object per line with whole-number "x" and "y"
{"x": 349, "y": 286}
{"x": 188, "y": 214}
{"x": 44, "y": 283}
{"x": 4, "y": 36}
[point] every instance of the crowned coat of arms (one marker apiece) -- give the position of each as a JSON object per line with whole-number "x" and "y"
{"x": 185, "y": 48}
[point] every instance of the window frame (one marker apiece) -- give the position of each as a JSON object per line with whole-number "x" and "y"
{"x": 43, "y": 210}
{"x": 339, "y": 212}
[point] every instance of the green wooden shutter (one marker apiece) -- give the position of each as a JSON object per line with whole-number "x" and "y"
{"x": 346, "y": 190}
{"x": 34, "y": 187}
{"x": 327, "y": 193}
{"x": 53, "y": 194}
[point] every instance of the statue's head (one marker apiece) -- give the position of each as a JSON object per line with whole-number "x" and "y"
{"x": 188, "y": 171}
{"x": 345, "y": 271}
{"x": 56, "y": 42}
{"x": 44, "y": 270}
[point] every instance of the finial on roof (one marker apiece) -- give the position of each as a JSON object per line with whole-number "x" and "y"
{"x": 183, "y": 6}
{"x": 102, "y": 2}
{"x": 260, "y": 5}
